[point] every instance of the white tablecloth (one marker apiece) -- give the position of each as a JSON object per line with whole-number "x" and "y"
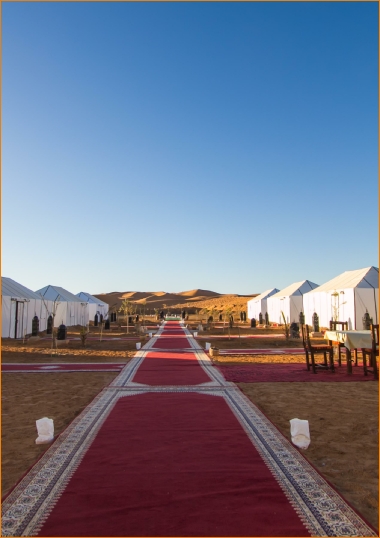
{"x": 351, "y": 339}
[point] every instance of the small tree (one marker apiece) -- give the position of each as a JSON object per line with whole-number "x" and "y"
{"x": 228, "y": 314}
{"x": 83, "y": 333}
{"x": 315, "y": 322}
{"x": 143, "y": 302}
{"x": 128, "y": 308}
{"x": 286, "y": 326}
{"x": 212, "y": 314}
{"x": 101, "y": 327}
{"x": 52, "y": 313}
{"x": 204, "y": 311}
{"x": 336, "y": 304}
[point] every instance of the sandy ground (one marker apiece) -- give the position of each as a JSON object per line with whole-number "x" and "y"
{"x": 343, "y": 416}
{"x": 116, "y": 350}
{"x": 229, "y": 338}
{"x": 28, "y": 397}
{"x": 343, "y": 420}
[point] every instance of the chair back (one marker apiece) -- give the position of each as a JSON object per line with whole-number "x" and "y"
{"x": 338, "y": 325}
{"x": 375, "y": 336}
{"x": 305, "y": 336}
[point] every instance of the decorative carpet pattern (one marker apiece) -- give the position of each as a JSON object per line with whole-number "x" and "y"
{"x": 145, "y": 460}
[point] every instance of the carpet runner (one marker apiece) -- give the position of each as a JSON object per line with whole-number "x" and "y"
{"x": 264, "y": 351}
{"x": 171, "y": 448}
{"x": 62, "y": 367}
{"x": 226, "y": 337}
{"x": 288, "y": 373}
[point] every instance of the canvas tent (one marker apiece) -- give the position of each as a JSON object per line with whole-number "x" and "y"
{"x": 345, "y": 298}
{"x": 70, "y": 310}
{"x": 19, "y": 306}
{"x": 290, "y": 301}
{"x": 259, "y": 304}
{"x": 95, "y": 305}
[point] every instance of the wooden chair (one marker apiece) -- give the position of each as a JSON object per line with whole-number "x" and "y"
{"x": 313, "y": 349}
{"x": 372, "y": 352}
{"x": 339, "y": 326}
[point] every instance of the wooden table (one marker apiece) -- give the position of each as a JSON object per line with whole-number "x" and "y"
{"x": 351, "y": 340}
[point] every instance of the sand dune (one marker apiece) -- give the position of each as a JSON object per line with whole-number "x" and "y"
{"x": 190, "y": 300}
{"x": 237, "y": 303}
{"x": 199, "y": 293}
{"x": 164, "y": 298}
{"x": 136, "y": 295}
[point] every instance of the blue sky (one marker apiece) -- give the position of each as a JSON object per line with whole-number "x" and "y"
{"x": 172, "y": 146}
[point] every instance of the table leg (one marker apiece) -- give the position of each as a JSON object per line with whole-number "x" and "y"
{"x": 349, "y": 363}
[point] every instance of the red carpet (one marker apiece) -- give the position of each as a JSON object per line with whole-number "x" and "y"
{"x": 171, "y": 342}
{"x": 181, "y": 369}
{"x": 172, "y": 337}
{"x": 263, "y": 351}
{"x": 173, "y": 332}
{"x": 260, "y": 373}
{"x": 63, "y": 367}
{"x": 226, "y": 337}
{"x": 172, "y": 465}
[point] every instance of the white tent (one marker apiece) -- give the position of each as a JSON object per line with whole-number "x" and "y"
{"x": 259, "y": 304}
{"x": 95, "y": 305}
{"x": 70, "y": 310}
{"x": 19, "y": 306}
{"x": 345, "y": 298}
{"x": 289, "y": 301}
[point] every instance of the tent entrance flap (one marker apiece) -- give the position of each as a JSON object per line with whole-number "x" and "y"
{"x": 18, "y": 312}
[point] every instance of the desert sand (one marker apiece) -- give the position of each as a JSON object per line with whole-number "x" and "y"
{"x": 192, "y": 300}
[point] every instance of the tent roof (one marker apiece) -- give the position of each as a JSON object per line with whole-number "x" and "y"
{"x": 90, "y": 298}
{"x": 52, "y": 293}
{"x": 359, "y": 278}
{"x": 297, "y": 288}
{"x": 11, "y": 288}
{"x": 264, "y": 295}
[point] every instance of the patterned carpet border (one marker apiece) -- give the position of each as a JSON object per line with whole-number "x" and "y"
{"x": 30, "y": 503}
{"x": 128, "y": 373}
{"x": 321, "y": 509}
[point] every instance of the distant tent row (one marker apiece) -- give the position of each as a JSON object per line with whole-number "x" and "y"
{"x": 20, "y": 305}
{"x": 259, "y": 304}
{"x": 346, "y": 297}
{"x": 289, "y": 301}
{"x": 70, "y": 310}
{"x": 95, "y": 305}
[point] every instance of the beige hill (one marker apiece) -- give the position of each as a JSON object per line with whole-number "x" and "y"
{"x": 237, "y": 303}
{"x": 191, "y": 300}
{"x": 199, "y": 293}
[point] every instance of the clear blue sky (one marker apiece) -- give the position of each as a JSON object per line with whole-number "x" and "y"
{"x": 172, "y": 146}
